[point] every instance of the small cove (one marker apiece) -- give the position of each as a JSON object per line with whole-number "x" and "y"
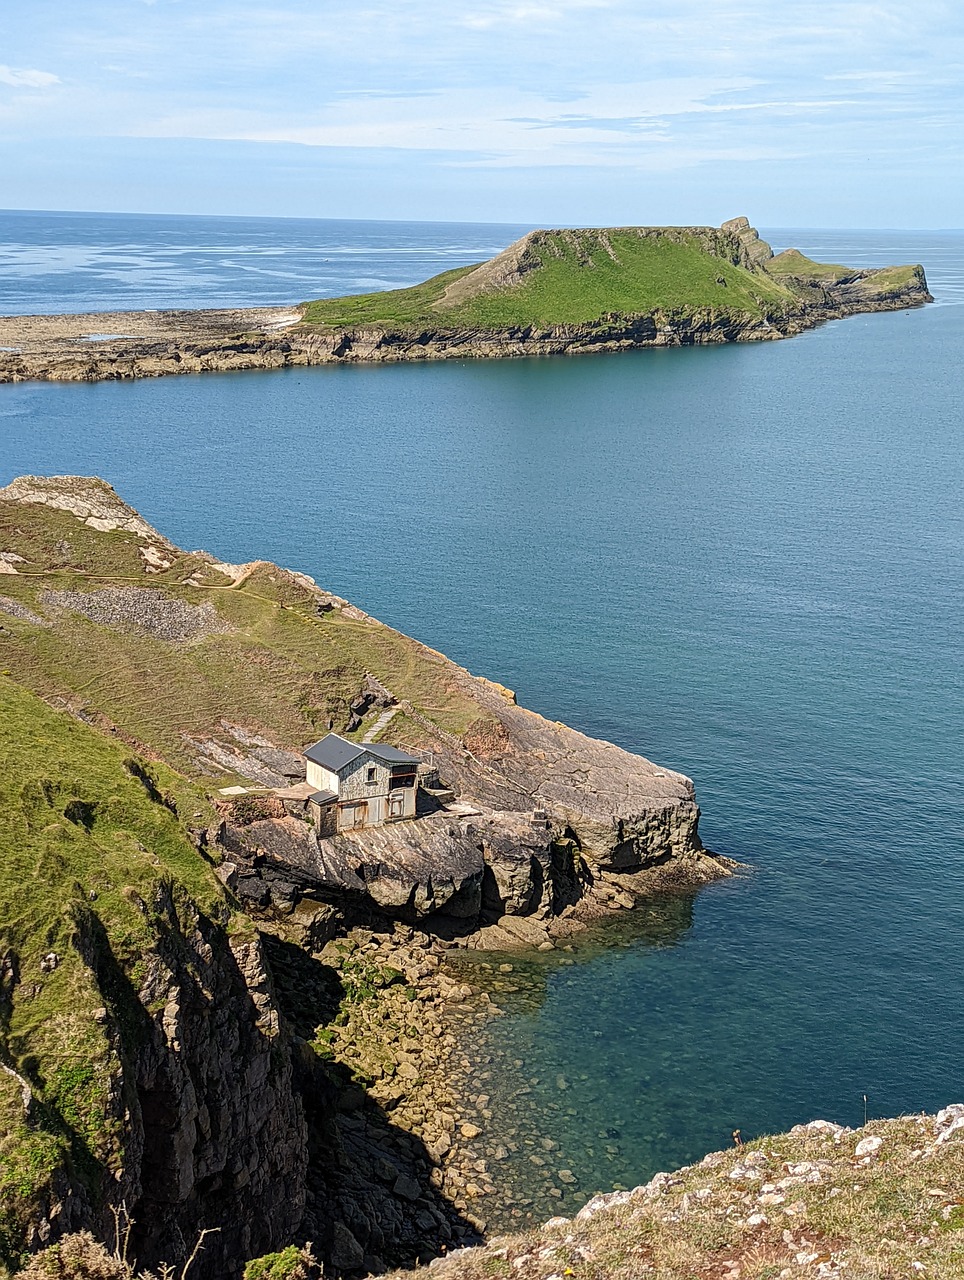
{"x": 744, "y": 562}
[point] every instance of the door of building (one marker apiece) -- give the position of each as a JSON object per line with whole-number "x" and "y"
{"x": 355, "y": 815}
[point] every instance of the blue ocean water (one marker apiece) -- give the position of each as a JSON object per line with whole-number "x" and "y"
{"x": 77, "y": 262}
{"x": 744, "y": 562}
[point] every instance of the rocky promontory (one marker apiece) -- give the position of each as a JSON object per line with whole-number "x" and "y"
{"x": 519, "y": 818}
{"x": 551, "y": 293}
{"x": 213, "y": 1018}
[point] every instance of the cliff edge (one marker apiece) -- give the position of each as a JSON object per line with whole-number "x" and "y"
{"x": 817, "y": 1203}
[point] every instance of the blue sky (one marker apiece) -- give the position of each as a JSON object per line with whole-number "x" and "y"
{"x": 561, "y": 112}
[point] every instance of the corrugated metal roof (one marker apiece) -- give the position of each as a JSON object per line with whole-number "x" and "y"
{"x": 333, "y": 752}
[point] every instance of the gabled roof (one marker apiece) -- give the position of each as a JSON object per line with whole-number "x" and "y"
{"x": 334, "y": 752}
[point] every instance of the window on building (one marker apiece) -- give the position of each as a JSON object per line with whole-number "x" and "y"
{"x": 372, "y": 773}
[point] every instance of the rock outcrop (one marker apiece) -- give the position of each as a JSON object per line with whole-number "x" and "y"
{"x": 214, "y": 1129}
{"x": 822, "y": 1202}
{"x": 520, "y": 816}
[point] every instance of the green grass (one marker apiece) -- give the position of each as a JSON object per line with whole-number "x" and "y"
{"x": 397, "y": 306}
{"x": 281, "y": 669}
{"x": 84, "y": 847}
{"x": 578, "y": 281}
{"x": 581, "y": 277}
{"x": 793, "y": 263}
{"x": 889, "y": 278}
{"x": 293, "y": 1263}
{"x": 588, "y": 277}
{"x": 648, "y": 274}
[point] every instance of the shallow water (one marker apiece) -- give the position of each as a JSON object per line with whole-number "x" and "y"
{"x": 76, "y": 262}
{"x": 744, "y": 562}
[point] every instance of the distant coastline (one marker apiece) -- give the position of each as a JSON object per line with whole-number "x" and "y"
{"x": 551, "y": 293}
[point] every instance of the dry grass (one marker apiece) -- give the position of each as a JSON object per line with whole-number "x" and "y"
{"x": 815, "y": 1203}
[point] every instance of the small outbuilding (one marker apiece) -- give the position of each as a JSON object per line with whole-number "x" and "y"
{"x": 359, "y": 784}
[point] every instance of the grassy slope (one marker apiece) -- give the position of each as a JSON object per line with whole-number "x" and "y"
{"x": 575, "y": 286}
{"x": 79, "y": 833}
{"x": 791, "y": 262}
{"x": 281, "y": 670}
{"x": 891, "y": 1216}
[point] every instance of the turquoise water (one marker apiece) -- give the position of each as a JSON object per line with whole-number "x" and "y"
{"x": 744, "y": 562}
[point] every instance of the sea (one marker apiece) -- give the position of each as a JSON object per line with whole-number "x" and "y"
{"x": 745, "y": 562}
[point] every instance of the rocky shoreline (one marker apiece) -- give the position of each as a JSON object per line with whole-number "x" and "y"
{"x": 114, "y": 346}
{"x": 409, "y": 1031}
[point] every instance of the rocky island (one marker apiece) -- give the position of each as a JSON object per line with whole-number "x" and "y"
{"x": 550, "y": 293}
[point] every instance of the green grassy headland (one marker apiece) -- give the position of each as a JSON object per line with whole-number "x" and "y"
{"x": 575, "y": 278}
{"x": 101, "y": 777}
{"x": 556, "y": 278}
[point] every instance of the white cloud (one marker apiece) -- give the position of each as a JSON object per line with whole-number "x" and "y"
{"x": 669, "y": 121}
{"x": 511, "y": 123}
{"x": 515, "y": 14}
{"x": 26, "y": 77}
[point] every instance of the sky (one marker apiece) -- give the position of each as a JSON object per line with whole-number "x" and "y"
{"x": 549, "y": 112}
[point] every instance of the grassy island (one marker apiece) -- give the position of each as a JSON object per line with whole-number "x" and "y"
{"x": 585, "y": 277}
{"x": 570, "y": 277}
{"x": 551, "y": 293}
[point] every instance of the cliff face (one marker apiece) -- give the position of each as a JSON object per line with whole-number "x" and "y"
{"x": 214, "y": 1133}
{"x": 145, "y": 1061}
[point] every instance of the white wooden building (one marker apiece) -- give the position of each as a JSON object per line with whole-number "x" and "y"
{"x": 359, "y": 784}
